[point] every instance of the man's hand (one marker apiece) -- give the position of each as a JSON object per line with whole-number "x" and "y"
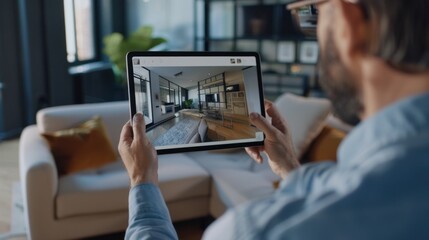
{"x": 138, "y": 154}
{"x": 277, "y": 144}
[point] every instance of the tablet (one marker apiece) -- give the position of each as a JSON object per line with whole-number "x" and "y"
{"x": 196, "y": 100}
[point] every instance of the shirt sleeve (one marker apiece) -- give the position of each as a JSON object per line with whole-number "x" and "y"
{"x": 256, "y": 219}
{"x": 148, "y": 214}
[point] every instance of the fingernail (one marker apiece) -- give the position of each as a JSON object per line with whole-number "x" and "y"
{"x": 254, "y": 115}
{"x": 137, "y": 117}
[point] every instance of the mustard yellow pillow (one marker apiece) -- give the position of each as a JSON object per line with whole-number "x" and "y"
{"x": 325, "y": 146}
{"x": 84, "y": 147}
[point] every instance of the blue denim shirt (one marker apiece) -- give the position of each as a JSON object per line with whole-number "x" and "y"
{"x": 378, "y": 189}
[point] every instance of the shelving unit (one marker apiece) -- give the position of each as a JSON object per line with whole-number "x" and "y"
{"x": 212, "y": 85}
{"x": 288, "y": 57}
{"x": 236, "y": 102}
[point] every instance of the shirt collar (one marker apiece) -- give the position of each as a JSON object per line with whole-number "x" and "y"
{"x": 396, "y": 122}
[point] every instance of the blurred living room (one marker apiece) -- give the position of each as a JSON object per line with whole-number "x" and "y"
{"x": 63, "y": 67}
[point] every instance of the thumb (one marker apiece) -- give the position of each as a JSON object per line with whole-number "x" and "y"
{"x": 139, "y": 126}
{"x": 126, "y": 134}
{"x": 263, "y": 124}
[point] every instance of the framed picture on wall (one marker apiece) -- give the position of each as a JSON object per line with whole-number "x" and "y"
{"x": 286, "y": 52}
{"x": 308, "y": 52}
{"x": 269, "y": 49}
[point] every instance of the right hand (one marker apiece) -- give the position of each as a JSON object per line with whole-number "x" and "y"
{"x": 278, "y": 143}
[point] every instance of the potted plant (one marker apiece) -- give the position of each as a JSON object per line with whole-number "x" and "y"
{"x": 188, "y": 103}
{"x": 116, "y": 47}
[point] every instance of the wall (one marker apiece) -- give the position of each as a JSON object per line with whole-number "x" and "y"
{"x": 172, "y": 19}
{"x": 11, "y": 99}
{"x": 138, "y": 95}
{"x": 34, "y": 69}
{"x": 235, "y": 77}
{"x": 156, "y": 103}
{"x": 143, "y": 99}
{"x": 251, "y": 86}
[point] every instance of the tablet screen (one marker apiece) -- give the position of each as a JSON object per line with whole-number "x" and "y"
{"x": 195, "y": 102}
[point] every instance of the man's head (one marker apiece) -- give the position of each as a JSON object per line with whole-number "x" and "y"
{"x": 350, "y": 32}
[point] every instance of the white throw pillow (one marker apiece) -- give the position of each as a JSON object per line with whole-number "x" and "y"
{"x": 305, "y": 118}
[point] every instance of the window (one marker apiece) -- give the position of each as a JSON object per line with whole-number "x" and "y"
{"x": 143, "y": 93}
{"x": 79, "y": 25}
{"x": 176, "y": 95}
{"x": 164, "y": 90}
{"x": 175, "y": 23}
{"x": 169, "y": 92}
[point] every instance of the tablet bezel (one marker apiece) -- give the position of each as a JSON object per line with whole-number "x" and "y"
{"x": 132, "y": 100}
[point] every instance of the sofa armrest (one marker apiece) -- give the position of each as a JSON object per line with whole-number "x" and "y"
{"x": 38, "y": 176}
{"x": 36, "y": 158}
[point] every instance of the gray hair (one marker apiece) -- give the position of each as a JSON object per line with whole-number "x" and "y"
{"x": 400, "y": 32}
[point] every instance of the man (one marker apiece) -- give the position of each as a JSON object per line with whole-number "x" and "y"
{"x": 375, "y": 68}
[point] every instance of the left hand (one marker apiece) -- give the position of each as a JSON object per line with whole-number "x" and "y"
{"x": 138, "y": 154}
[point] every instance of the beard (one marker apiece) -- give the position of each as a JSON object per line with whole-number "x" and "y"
{"x": 339, "y": 85}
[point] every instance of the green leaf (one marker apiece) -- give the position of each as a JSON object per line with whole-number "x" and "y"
{"x": 116, "y": 46}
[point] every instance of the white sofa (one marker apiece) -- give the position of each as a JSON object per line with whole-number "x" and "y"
{"x": 94, "y": 202}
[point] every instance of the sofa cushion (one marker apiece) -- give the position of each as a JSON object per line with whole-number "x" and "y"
{"x": 195, "y": 139}
{"x": 106, "y": 189}
{"x": 83, "y": 147}
{"x": 222, "y": 159}
{"x": 202, "y": 130}
{"x": 114, "y": 115}
{"x": 305, "y": 118}
{"x": 182, "y": 178}
{"x": 238, "y": 186}
{"x": 325, "y": 146}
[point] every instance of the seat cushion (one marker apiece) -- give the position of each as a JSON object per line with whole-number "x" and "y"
{"x": 238, "y": 186}
{"x": 181, "y": 178}
{"x": 106, "y": 189}
{"x": 222, "y": 159}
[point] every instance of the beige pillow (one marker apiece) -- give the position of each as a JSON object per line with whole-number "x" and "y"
{"x": 84, "y": 147}
{"x": 305, "y": 118}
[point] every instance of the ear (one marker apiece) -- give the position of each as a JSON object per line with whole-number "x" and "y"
{"x": 350, "y": 32}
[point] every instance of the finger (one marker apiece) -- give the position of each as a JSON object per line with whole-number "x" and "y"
{"x": 255, "y": 154}
{"x": 139, "y": 127}
{"x": 267, "y": 102}
{"x": 263, "y": 124}
{"x": 277, "y": 119}
{"x": 126, "y": 134}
